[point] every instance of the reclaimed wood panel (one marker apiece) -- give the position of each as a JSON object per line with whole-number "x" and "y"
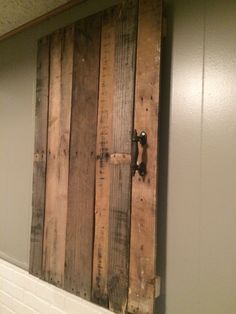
{"x": 61, "y": 65}
{"x": 103, "y": 149}
{"x": 40, "y": 157}
{"x": 81, "y": 195}
{"x": 144, "y": 191}
{"x": 93, "y": 226}
{"x": 120, "y": 178}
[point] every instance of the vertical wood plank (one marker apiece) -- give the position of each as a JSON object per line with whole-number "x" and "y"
{"x": 123, "y": 102}
{"x": 103, "y": 149}
{"x": 144, "y": 195}
{"x": 61, "y": 65}
{"x": 40, "y": 158}
{"x": 80, "y": 219}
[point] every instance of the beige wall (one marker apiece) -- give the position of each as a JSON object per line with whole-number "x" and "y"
{"x": 201, "y": 204}
{"x": 200, "y": 60}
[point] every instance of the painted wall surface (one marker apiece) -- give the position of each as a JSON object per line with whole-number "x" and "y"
{"x": 201, "y": 187}
{"x": 198, "y": 152}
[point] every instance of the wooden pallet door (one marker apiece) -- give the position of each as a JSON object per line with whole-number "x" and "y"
{"x": 94, "y": 222}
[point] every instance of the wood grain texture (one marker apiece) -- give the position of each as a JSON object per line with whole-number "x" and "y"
{"x": 120, "y": 180}
{"x": 61, "y": 65}
{"x": 40, "y": 157}
{"x": 144, "y": 191}
{"x": 103, "y": 149}
{"x": 80, "y": 218}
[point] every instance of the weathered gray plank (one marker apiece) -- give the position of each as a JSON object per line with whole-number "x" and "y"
{"x": 40, "y": 158}
{"x": 120, "y": 190}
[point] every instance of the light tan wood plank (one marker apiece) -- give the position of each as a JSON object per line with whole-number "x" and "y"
{"x": 61, "y": 65}
{"x": 144, "y": 191}
{"x": 103, "y": 149}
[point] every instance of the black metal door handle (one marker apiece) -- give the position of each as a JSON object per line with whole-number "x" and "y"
{"x": 142, "y": 139}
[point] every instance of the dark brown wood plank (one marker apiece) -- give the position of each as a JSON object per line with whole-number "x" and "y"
{"x": 144, "y": 192}
{"x": 80, "y": 219}
{"x": 40, "y": 158}
{"x": 120, "y": 189}
{"x": 61, "y": 65}
{"x": 104, "y": 137}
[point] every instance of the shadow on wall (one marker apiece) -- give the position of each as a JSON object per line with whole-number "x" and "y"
{"x": 164, "y": 123}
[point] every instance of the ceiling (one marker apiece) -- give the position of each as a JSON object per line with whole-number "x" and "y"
{"x": 14, "y": 13}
